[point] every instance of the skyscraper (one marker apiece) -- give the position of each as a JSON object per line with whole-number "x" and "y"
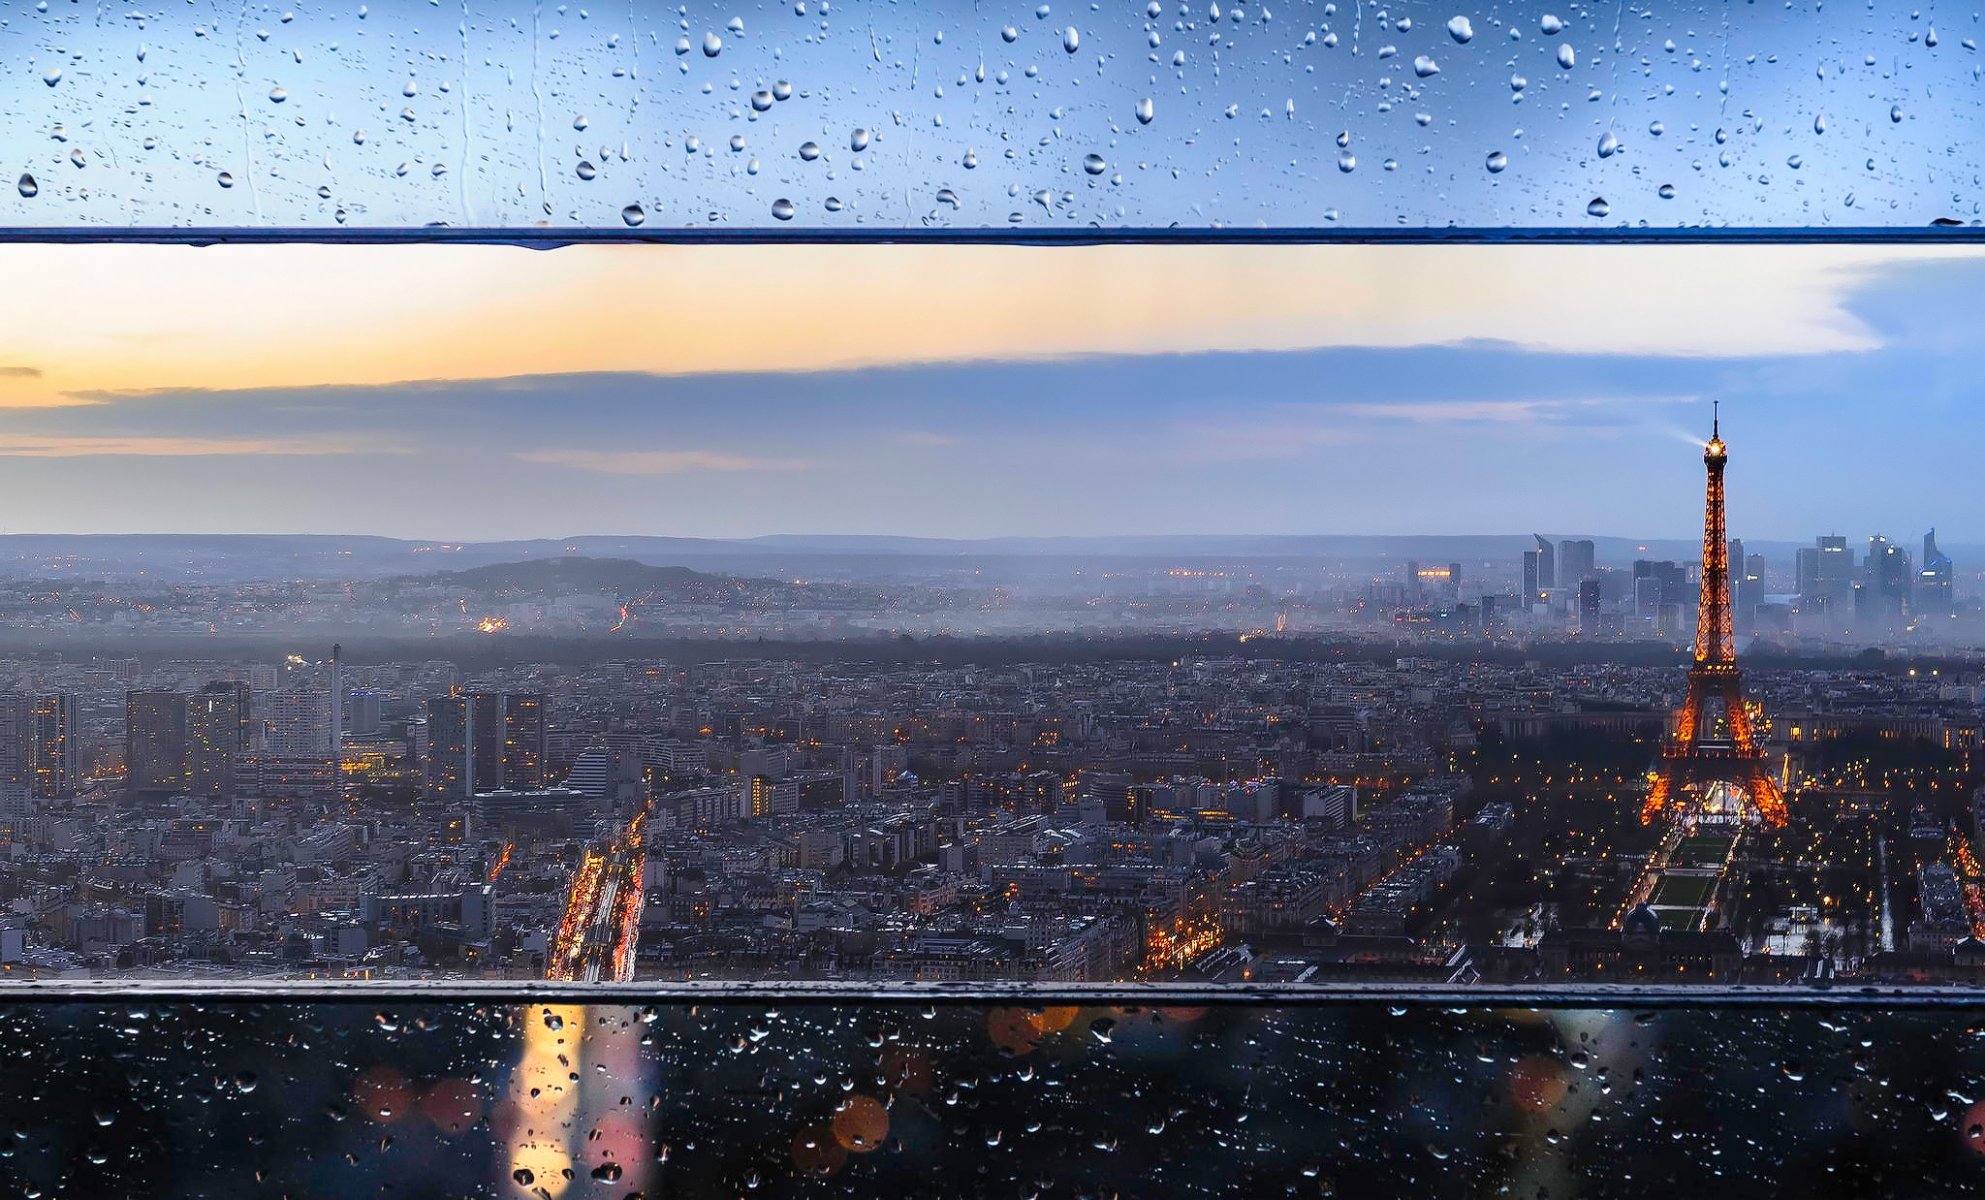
{"x": 56, "y": 747}
{"x": 300, "y": 723}
{"x": 1889, "y": 579}
{"x": 218, "y": 736}
{"x": 1933, "y": 582}
{"x": 1547, "y": 563}
{"x": 1575, "y": 562}
{"x": 523, "y": 740}
{"x": 16, "y": 744}
{"x": 449, "y": 770}
{"x": 486, "y": 714}
{"x": 1588, "y": 608}
{"x": 155, "y": 742}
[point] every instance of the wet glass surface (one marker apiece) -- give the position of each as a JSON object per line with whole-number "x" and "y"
{"x": 620, "y": 1100}
{"x": 1018, "y": 118}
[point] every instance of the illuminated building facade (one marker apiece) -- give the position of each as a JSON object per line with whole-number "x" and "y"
{"x": 219, "y": 735}
{"x": 56, "y": 743}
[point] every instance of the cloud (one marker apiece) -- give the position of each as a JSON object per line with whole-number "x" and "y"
{"x": 1507, "y": 411}
{"x": 20, "y": 372}
{"x": 659, "y": 462}
{"x": 64, "y": 446}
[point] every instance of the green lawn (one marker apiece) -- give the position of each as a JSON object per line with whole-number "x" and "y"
{"x": 1703, "y": 850}
{"x": 1684, "y": 891}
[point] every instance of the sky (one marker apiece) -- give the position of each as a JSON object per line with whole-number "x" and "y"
{"x": 482, "y": 392}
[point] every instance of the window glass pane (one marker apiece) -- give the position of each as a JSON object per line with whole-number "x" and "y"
{"x": 988, "y": 615}
{"x": 809, "y": 116}
{"x": 608, "y": 1100}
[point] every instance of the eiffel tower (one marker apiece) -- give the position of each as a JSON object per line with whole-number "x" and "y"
{"x": 1711, "y": 766}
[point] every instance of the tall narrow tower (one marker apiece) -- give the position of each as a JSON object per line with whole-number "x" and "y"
{"x": 1711, "y": 765}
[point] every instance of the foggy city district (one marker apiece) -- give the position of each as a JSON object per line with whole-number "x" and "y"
{"x": 1501, "y": 759}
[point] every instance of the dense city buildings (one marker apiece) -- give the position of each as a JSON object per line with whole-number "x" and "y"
{"x": 1409, "y": 760}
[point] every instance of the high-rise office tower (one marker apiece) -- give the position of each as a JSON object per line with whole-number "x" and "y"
{"x": 1933, "y": 582}
{"x": 1749, "y": 588}
{"x": 1547, "y": 563}
{"x": 219, "y": 734}
{"x": 1533, "y": 563}
{"x": 1835, "y": 577}
{"x": 155, "y": 742}
{"x": 486, "y": 744}
{"x": 16, "y": 744}
{"x": 1889, "y": 579}
{"x": 1588, "y": 608}
{"x": 449, "y": 768}
{"x": 300, "y": 723}
{"x": 523, "y": 740}
{"x": 1575, "y": 562}
{"x": 57, "y": 747}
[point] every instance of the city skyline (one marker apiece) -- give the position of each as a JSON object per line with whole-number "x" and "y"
{"x": 1313, "y": 390}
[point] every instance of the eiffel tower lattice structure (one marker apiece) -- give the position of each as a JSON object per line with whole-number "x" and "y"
{"x": 1711, "y": 766}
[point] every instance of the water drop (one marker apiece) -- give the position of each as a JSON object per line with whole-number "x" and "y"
{"x": 1497, "y": 162}
{"x": 1145, "y": 111}
{"x": 809, "y": 151}
{"x": 1071, "y": 41}
{"x": 1347, "y": 162}
{"x": 1895, "y": 113}
{"x": 1424, "y": 66}
{"x": 761, "y": 100}
{"x": 712, "y": 45}
{"x": 28, "y": 187}
{"x": 858, "y": 140}
{"x": 411, "y": 89}
{"x": 1094, "y": 164}
{"x": 1608, "y": 144}
{"x": 1666, "y": 191}
{"x": 586, "y": 170}
{"x": 1566, "y": 57}
{"x": 1819, "y": 123}
{"x": 1460, "y": 30}
{"x": 1009, "y": 35}
{"x": 782, "y": 90}
{"x": 782, "y": 209}
{"x": 1598, "y": 207}
{"x": 53, "y": 77}
{"x": 225, "y": 179}
{"x": 277, "y": 95}
{"x": 1551, "y": 25}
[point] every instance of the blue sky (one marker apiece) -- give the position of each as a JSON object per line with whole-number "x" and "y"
{"x": 1408, "y": 398}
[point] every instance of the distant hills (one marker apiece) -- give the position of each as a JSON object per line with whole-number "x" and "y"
{"x": 222, "y": 558}
{"x": 620, "y": 577}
